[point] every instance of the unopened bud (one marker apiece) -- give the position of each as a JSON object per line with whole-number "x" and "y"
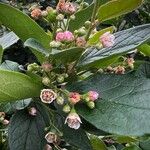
{"x": 47, "y": 67}
{"x": 91, "y": 104}
{"x": 46, "y": 81}
{"x": 60, "y": 79}
{"x": 32, "y": 111}
{"x": 66, "y": 108}
{"x": 81, "y": 31}
{"x": 85, "y": 4}
{"x": 5, "y": 122}
{"x": 72, "y": 17}
{"x": 60, "y": 17}
{"x": 44, "y": 13}
{"x": 55, "y": 44}
{"x": 60, "y": 100}
{"x": 59, "y": 30}
{"x": 87, "y": 24}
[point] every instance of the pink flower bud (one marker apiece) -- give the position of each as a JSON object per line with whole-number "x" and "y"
{"x": 130, "y": 62}
{"x": 93, "y": 95}
{"x": 32, "y": 111}
{"x": 66, "y": 36}
{"x": 48, "y": 96}
{"x": 73, "y": 120}
{"x": 5, "y": 122}
{"x": 119, "y": 70}
{"x": 2, "y": 114}
{"x": 70, "y": 8}
{"x": 36, "y": 13}
{"x": 74, "y": 97}
{"x": 51, "y": 137}
{"x": 107, "y": 39}
{"x": 80, "y": 42}
{"x": 61, "y": 6}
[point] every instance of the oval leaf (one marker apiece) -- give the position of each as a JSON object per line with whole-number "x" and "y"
{"x": 16, "y": 86}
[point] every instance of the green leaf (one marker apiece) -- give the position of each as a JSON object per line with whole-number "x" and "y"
{"x": 125, "y": 41}
{"x": 26, "y": 132}
{"x": 97, "y": 143}
{"x": 145, "y": 145}
{"x": 8, "y": 40}
{"x": 124, "y": 107}
{"x": 16, "y": 86}
{"x": 132, "y": 147}
{"x": 117, "y": 8}
{"x": 80, "y": 18}
{"x": 95, "y": 38}
{"x": 145, "y": 49}
{"x": 22, "y": 25}
{"x": 9, "y": 65}
{"x": 1, "y": 53}
{"x": 37, "y": 48}
{"x": 68, "y": 55}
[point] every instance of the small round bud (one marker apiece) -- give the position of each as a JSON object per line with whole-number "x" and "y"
{"x": 46, "y": 66}
{"x": 55, "y": 44}
{"x": 76, "y": 32}
{"x": 81, "y": 31}
{"x": 87, "y": 24}
{"x": 60, "y": 100}
{"x": 65, "y": 75}
{"x": 44, "y": 13}
{"x": 60, "y": 79}
{"x": 85, "y": 4}
{"x": 60, "y": 17}
{"x": 46, "y": 81}
{"x": 32, "y": 111}
{"x": 1, "y": 119}
{"x": 33, "y": 67}
{"x": 72, "y": 17}
{"x": 49, "y": 9}
{"x": 66, "y": 108}
{"x": 91, "y": 104}
{"x": 100, "y": 70}
{"x": 59, "y": 30}
{"x": 5, "y": 122}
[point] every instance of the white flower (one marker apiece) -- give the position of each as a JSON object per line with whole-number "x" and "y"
{"x": 73, "y": 120}
{"x": 48, "y": 96}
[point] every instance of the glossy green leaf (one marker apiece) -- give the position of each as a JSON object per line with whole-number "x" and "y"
{"x": 97, "y": 144}
{"x": 145, "y": 49}
{"x": 26, "y": 132}
{"x": 132, "y": 147}
{"x": 117, "y": 8}
{"x": 124, "y": 107}
{"x": 37, "y": 48}
{"x": 22, "y": 25}
{"x": 68, "y": 55}
{"x": 8, "y": 40}
{"x": 16, "y": 86}
{"x": 145, "y": 145}
{"x": 95, "y": 38}
{"x": 125, "y": 41}
{"x": 81, "y": 17}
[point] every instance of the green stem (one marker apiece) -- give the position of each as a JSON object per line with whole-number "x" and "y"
{"x": 55, "y": 29}
{"x": 92, "y": 19}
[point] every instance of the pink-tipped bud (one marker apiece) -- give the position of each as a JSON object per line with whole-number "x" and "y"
{"x": 119, "y": 70}
{"x": 47, "y": 67}
{"x": 32, "y": 111}
{"x": 80, "y": 42}
{"x": 5, "y": 122}
{"x": 130, "y": 62}
{"x": 93, "y": 95}
{"x": 36, "y": 13}
{"x": 2, "y": 114}
{"x": 48, "y": 96}
{"x": 70, "y": 8}
{"x": 107, "y": 39}
{"x": 73, "y": 120}
{"x": 74, "y": 97}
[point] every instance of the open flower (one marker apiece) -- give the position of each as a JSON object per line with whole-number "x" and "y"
{"x": 107, "y": 39}
{"x": 61, "y": 6}
{"x": 119, "y": 70}
{"x": 93, "y": 95}
{"x": 48, "y": 96}
{"x": 36, "y": 13}
{"x": 70, "y": 8}
{"x": 66, "y": 36}
{"x": 73, "y": 120}
{"x": 51, "y": 137}
{"x": 74, "y": 97}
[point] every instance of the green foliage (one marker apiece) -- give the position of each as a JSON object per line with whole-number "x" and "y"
{"x": 117, "y": 8}
{"x": 26, "y": 131}
{"x": 16, "y": 86}
{"x": 121, "y": 109}
{"x": 145, "y": 49}
{"x": 126, "y": 41}
{"x": 22, "y": 25}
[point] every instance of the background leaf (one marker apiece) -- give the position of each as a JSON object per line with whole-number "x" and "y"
{"x": 22, "y": 25}
{"x": 16, "y": 86}
{"x": 145, "y": 49}
{"x": 117, "y": 8}
{"x": 26, "y": 132}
